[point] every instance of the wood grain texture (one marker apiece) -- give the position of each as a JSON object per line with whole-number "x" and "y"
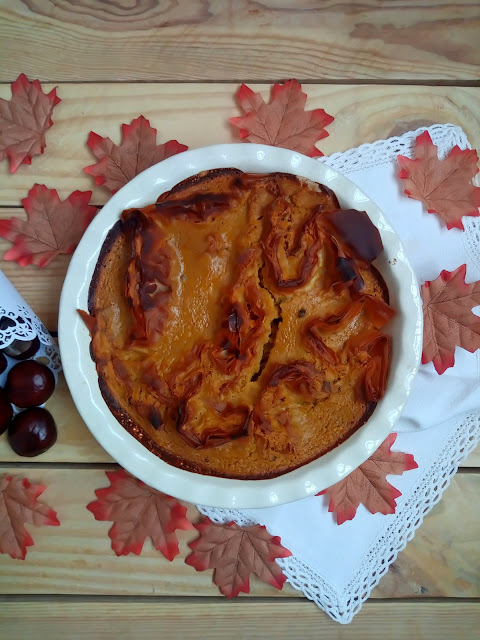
{"x": 362, "y": 114}
{"x": 76, "y": 558}
{"x": 77, "y": 445}
{"x": 223, "y": 620}
{"x": 255, "y": 39}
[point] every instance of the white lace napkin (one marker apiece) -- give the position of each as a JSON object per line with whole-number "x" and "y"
{"x": 337, "y": 566}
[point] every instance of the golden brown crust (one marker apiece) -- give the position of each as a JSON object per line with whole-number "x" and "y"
{"x": 194, "y": 181}
{"x": 112, "y": 237}
{"x": 221, "y": 402}
{"x": 129, "y": 425}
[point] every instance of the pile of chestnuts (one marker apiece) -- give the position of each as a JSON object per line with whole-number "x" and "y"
{"x": 29, "y": 383}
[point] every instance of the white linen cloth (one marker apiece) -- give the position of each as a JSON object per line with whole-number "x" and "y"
{"x": 337, "y": 566}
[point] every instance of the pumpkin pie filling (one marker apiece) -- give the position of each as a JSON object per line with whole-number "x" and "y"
{"x": 237, "y": 323}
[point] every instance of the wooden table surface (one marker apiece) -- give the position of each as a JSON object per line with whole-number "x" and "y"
{"x": 380, "y": 68}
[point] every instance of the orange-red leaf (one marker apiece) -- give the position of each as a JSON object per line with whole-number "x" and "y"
{"x": 19, "y": 505}
{"x": 283, "y": 122}
{"x": 444, "y": 186}
{"x": 448, "y": 321}
{"x": 118, "y": 164}
{"x": 368, "y": 483}
{"x": 139, "y": 512}
{"x": 53, "y": 226}
{"x": 235, "y": 553}
{"x": 24, "y": 121}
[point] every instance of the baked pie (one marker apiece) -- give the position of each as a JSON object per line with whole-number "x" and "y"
{"x": 237, "y": 323}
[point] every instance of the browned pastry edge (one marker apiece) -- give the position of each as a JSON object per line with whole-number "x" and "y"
{"x": 199, "y": 178}
{"x": 382, "y": 283}
{"x": 107, "y": 245}
{"x": 127, "y": 423}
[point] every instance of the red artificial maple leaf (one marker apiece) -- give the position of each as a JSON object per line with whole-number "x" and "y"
{"x": 24, "y": 121}
{"x": 19, "y": 506}
{"x": 235, "y": 553}
{"x": 368, "y": 483}
{"x": 283, "y": 122}
{"x": 444, "y": 186}
{"x": 53, "y": 226}
{"x": 448, "y": 321}
{"x": 118, "y": 164}
{"x": 139, "y": 512}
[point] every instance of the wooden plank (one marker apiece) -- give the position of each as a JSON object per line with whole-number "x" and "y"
{"x": 32, "y": 619}
{"x": 76, "y": 444}
{"x": 443, "y": 560}
{"x": 218, "y": 40}
{"x": 362, "y": 114}
{"x": 76, "y": 558}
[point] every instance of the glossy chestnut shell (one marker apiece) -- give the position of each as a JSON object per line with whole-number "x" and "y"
{"x": 32, "y": 432}
{"x": 29, "y": 383}
{"x": 6, "y": 411}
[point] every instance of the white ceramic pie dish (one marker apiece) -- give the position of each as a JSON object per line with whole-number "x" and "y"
{"x": 81, "y": 376}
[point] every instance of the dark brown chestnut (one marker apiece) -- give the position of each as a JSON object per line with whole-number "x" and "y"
{"x": 22, "y": 349}
{"x": 32, "y": 432}
{"x": 6, "y": 411}
{"x": 3, "y": 362}
{"x": 29, "y": 384}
